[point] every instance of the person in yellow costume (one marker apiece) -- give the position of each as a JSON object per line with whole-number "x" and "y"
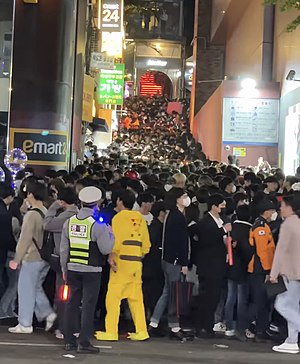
{"x": 132, "y": 243}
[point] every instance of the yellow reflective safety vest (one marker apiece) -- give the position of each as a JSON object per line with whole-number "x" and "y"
{"x": 82, "y": 249}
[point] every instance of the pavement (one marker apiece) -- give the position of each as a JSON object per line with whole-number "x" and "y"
{"x": 44, "y": 348}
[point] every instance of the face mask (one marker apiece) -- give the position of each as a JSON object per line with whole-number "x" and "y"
{"x": 108, "y": 195}
{"x": 274, "y": 216}
{"x": 233, "y": 189}
{"x": 186, "y": 201}
{"x": 223, "y": 211}
{"x": 168, "y": 188}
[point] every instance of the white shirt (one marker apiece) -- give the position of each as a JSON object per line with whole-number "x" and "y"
{"x": 218, "y": 221}
{"x": 148, "y": 218}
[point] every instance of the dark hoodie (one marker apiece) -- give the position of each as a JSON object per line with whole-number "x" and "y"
{"x": 242, "y": 253}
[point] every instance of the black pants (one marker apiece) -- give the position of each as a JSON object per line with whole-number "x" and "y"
{"x": 152, "y": 290}
{"x": 210, "y": 288}
{"x": 84, "y": 290}
{"x": 260, "y": 301}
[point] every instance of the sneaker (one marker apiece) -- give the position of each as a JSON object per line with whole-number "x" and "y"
{"x": 155, "y": 332}
{"x": 230, "y": 333}
{"x": 90, "y": 349}
{"x": 220, "y": 328}
{"x": 249, "y": 334}
{"x": 176, "y": 335}
{"x": 70, "y": 347}
{"x": 287, "y": 348}
{"x": 50, "y": 321}
{"x": 203, "y": 334}
{"x": 274, "y": 328}
{"x": 19, "y": 329}
{"x": 59, "y": 335}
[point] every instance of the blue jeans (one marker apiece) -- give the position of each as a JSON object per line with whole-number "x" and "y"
{"x": 287, "y": 304}
{"x": 32, "y": 298}
{"x": 172, "y": 274}
{"x": 8, "y": 300}
{"x": 237, "y": 294}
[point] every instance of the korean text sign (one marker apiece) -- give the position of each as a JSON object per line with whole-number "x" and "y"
{"x": 111, "y": 86}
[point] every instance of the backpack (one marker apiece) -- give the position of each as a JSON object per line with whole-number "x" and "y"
{"x": 47, "y": 250}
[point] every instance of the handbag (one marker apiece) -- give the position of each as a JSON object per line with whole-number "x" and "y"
{"x": 181, "y": 296}
{"x": 274, "y": 289}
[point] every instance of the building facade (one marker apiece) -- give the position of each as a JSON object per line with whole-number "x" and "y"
{"x": 42, "y": 45}
{"x": 257, "y": 46}
{"x": 154, "y": 54}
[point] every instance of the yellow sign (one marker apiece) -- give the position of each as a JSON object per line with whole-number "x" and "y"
{"x": 239, "y": 152}
{"x": 88, "y": 97}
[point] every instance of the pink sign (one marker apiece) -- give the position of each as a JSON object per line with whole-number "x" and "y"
{"x": 174, "y": 106}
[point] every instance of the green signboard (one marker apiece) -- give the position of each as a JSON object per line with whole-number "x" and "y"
{"x": 111, "y": 86}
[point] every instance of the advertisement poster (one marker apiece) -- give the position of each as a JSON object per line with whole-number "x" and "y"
{"x": 253, "y": 121}
{"x": 111, "y": 86}
{"x": 240, "y": 152}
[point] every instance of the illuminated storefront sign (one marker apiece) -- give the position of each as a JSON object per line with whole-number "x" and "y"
{"x": 112, "y": 44}
{"x": 43, "y": 147}
{"x": 111, "y": 15}
{"x": 157, "y": 63}
{"x": 111, "y": 86}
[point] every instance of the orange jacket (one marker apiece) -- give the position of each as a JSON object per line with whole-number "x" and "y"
{"x": 127, "y": 122}
{"x": 261, "y": 238}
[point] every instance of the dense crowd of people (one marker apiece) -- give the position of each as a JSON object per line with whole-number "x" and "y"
{"x": 152, "y": 212}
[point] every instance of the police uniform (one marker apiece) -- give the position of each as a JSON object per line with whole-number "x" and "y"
{"x": 132, "y": 243}
{"x": 84, "y": 243}
{"x": 260, "y": 265}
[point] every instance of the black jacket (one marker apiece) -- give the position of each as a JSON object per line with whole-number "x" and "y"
{"x": 7, "y": 240}
{"x": 176, "y": 239}
{"x": 242, "y": 253}
{"x": 211, "y": 250}
{"x": 152, "y": 261}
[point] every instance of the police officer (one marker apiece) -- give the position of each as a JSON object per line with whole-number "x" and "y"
{"x": 262, "y": 241}
{"x": 84, "y": 243}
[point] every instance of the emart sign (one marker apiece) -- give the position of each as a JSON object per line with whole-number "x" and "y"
{"x": 42, "y": 147}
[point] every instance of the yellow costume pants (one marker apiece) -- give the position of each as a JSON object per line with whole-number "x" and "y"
{"x": 134, "y": 294}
